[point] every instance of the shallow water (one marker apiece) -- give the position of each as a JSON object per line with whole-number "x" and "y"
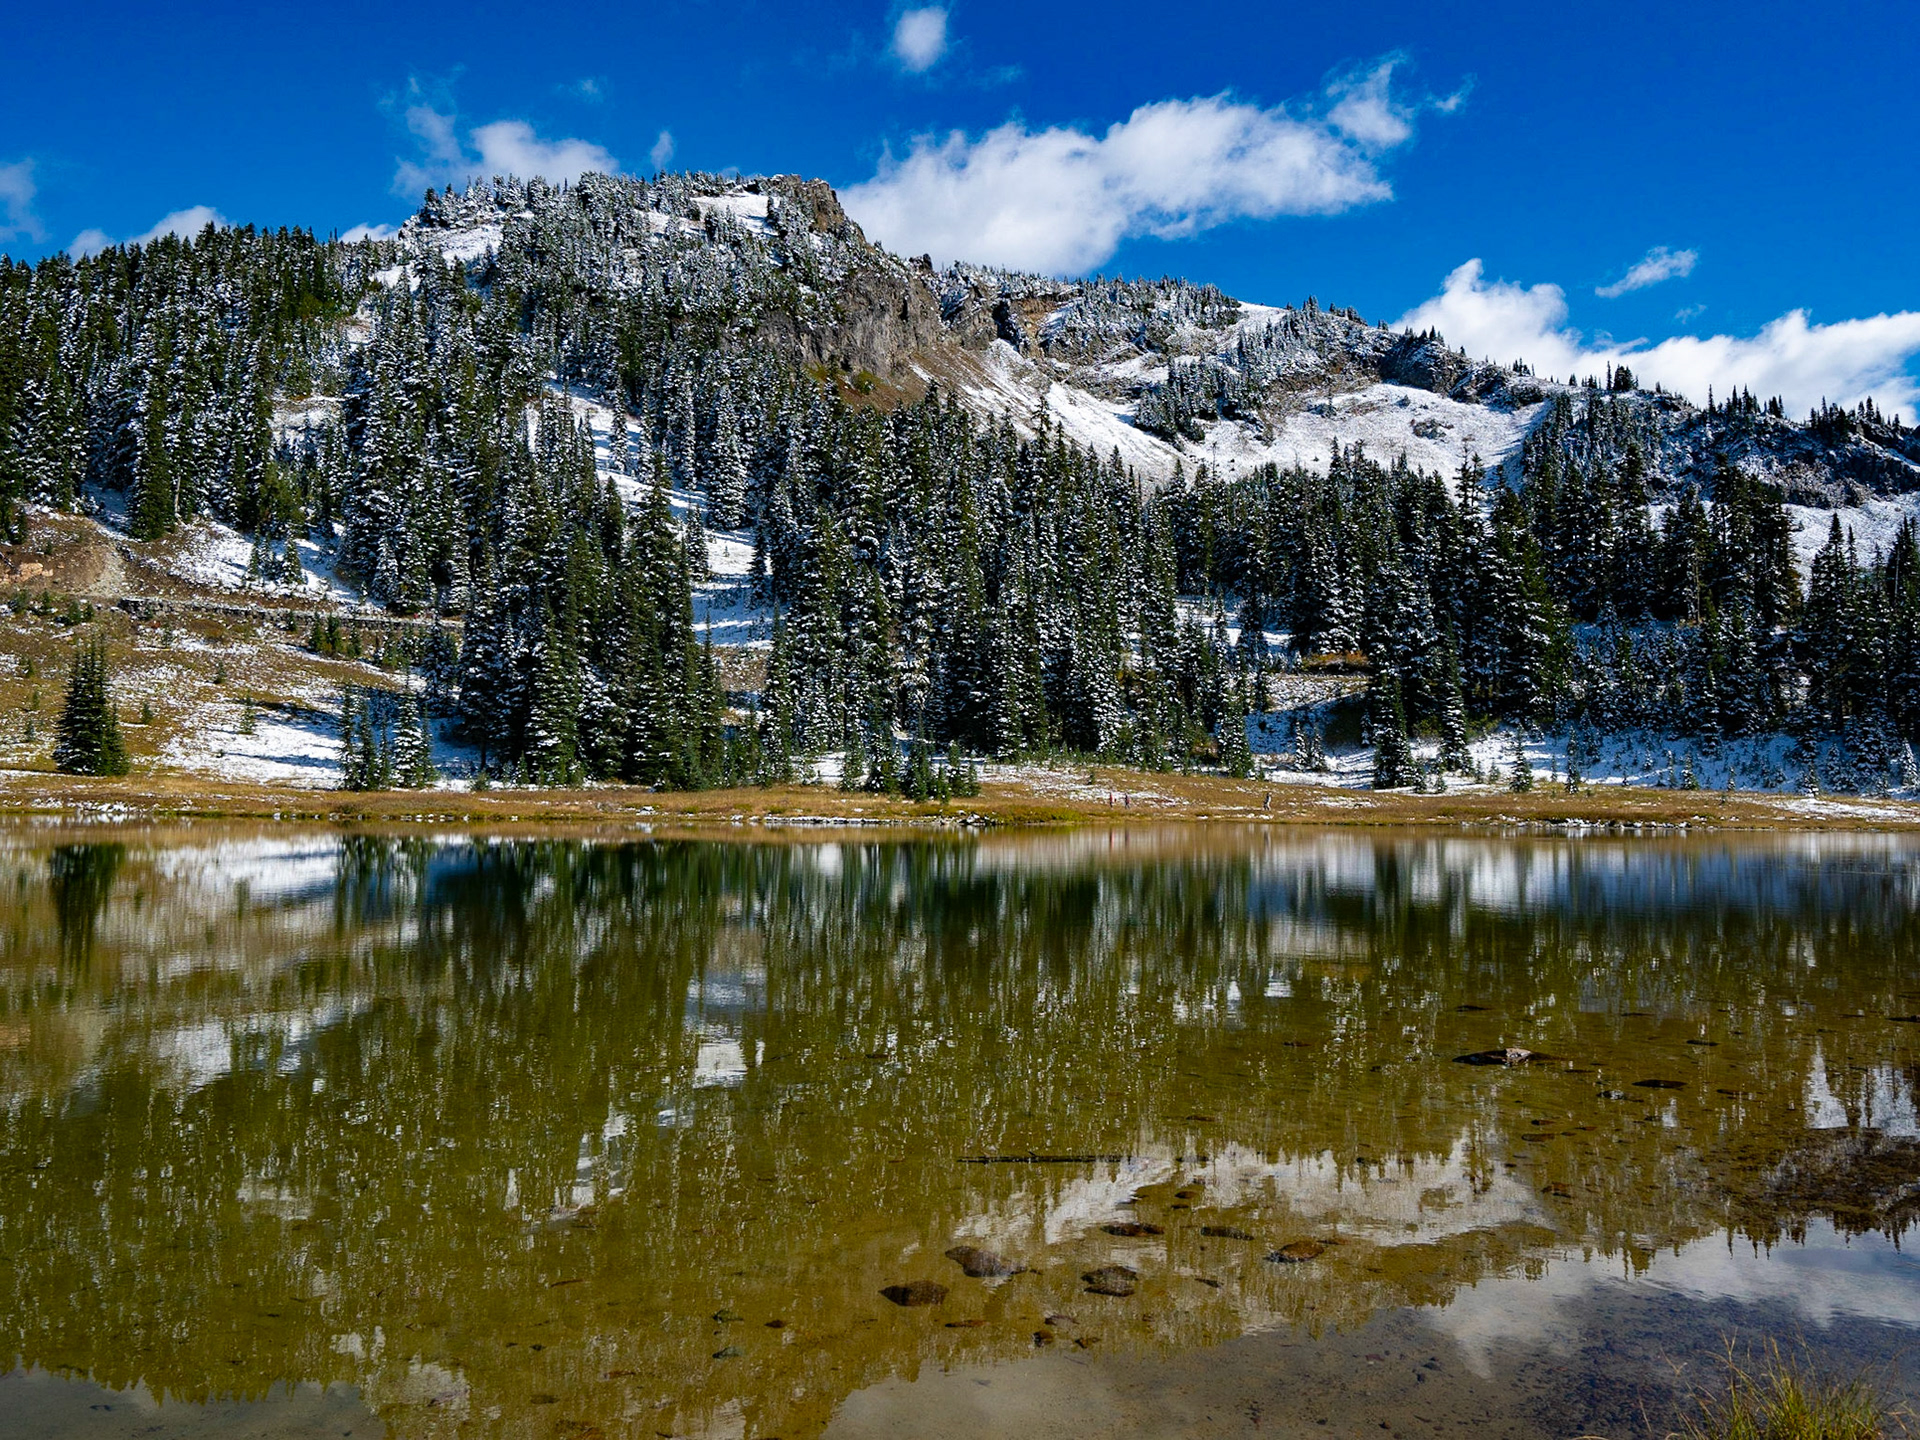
{"x": 327, "y": 1133}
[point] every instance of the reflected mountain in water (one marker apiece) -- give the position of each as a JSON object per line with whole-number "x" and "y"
{"x": 630, "y": 1136}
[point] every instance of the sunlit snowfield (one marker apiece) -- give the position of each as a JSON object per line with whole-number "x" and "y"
{"x": 335, "y": 1134}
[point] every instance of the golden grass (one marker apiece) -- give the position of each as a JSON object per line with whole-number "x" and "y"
{"x": 1778, "y": 1400}
{"x": 1156, "y": 800}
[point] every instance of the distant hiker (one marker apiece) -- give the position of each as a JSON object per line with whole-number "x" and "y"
{"x": 1266, "y": 801}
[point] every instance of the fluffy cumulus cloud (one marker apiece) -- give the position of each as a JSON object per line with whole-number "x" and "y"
{"x": 1791, "y": 357}
{"x": 1061, "y": 200}
{"x": 920, "y": 38}
{"x": 662, "y": 150}
{"x": 502, "y": 147}
{"x": 186, "y": 223}
{"x": 1656, "y": 265}
{"x": 17, "y": 218}
{"x": 369, "y": 232}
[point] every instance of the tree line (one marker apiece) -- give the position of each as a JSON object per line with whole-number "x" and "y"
{"x": 940, "y": 583}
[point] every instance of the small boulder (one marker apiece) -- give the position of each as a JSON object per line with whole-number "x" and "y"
{"x": 1298, "y": 1252}
{"x": 982, "y": 1264}
{"x": 1116, "y": 1280}
{"x": 1511, "y": 1055}
{"x": 916, "y": 1292}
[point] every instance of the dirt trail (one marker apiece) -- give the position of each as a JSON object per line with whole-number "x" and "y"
{"x": 110, "y": 580}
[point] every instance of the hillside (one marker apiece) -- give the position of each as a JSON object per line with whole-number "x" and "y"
{"x": 685, "y": 482}
{"x": 1166, "y": 371}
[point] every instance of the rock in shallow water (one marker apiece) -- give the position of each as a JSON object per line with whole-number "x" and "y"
{"x": 1297, "y": 1252}
{"x": 1132, "y": 1229}
{"x": 982, "y": 1264}
{"x": 1511, "y": 1055}
{"x": 1224, "y": 1232}
{"x": 1115, "y": 1280}
{"x": 916, "y": 1292}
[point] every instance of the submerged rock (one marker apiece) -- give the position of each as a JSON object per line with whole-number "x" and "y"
{"x": 1132, "y": 1229}
{"x": 1116, "y": 1280}
{"x": 1224, "y": 1232}
{"x": 916, "y": 1292}
{"x": 1661, "y": 1084}
{"x": 982, "y": 1264}
{"x": 1511, "y": 1055}
{"x": 1298, "y": 1252}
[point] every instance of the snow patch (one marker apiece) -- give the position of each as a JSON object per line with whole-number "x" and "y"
{"x": 1434, "y": 432}
{"x": 1872, "y": 525}
{"x": 219, "y": 557}
{"x": 749, "y": 210}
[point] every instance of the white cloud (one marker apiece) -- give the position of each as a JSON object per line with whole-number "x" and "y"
{"x": 1656, "y": 265}
{"x": 1062, "y": 200}
{"x": 509, "y": 147}
{"x": 502, "y": 147}
{"x": 1801, "y": 362}
{"x": 442, "y": 159}
{"x": 17, "y": 218}
{"x": 920, "y": 38}
{"x": 184, "y": 223}
{"x": 369, "y": 232}
{"x": 662, "y": 150}
{"x": 187, "y": 224}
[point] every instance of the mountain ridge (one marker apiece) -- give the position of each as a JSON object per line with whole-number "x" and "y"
{"x": 1175, "y": 360}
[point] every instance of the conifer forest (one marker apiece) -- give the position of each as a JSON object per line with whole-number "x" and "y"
{"x": 524, "y": 419}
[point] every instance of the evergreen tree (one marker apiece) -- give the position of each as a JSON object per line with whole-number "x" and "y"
{"x": 1236, "y": 756}
{"x": 87, "y": 736}
{"x": 1454, "y": 757}
{"x": 412, "y": 765}
{"x": 1520, "y": 769}
{"x": 1393, "y": 765}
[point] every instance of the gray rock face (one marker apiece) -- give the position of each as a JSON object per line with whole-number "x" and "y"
{"x": 817, "y": 198}
{"x": 883, "y": 315}
{"x": 884, "y": 309}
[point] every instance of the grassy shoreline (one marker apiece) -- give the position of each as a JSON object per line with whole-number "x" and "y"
{"x": 1068, "y": 797}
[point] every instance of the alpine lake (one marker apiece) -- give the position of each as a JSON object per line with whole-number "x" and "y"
{"x": 1160, "y": 1132}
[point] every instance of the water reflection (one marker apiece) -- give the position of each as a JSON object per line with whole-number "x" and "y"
{"x": 629, "y": 1137}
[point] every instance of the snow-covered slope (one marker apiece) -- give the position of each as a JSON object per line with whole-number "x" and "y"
{"x": 1165, "y": 372}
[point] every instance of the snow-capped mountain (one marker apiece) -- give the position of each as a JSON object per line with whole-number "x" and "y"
{"x": 1165, "y": 372}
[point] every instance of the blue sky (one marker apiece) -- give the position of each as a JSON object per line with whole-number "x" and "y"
{"x": 1727, "y": 192}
